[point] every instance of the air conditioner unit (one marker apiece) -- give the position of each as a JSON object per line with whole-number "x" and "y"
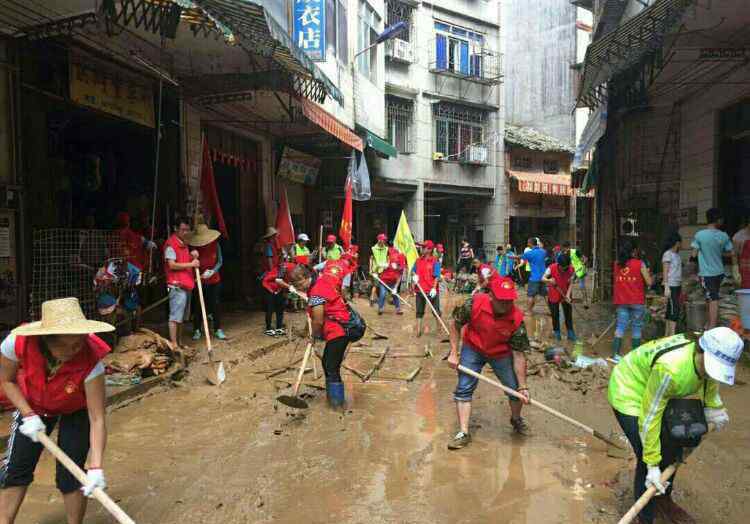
{"x": 475, "y": 154}
{"x": 401, "y": 50}
{"x": 629, "y": 227}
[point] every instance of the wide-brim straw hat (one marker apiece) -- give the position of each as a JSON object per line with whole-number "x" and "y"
{"x": 271, "y": 231}
{"x": 202, "y": 236}
{"x": 62, "y": 316}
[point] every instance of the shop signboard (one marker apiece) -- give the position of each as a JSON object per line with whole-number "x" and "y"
{"x": 108, "y": 88}
{"x": 309, "y": 27}
{"x": 298, "y": 167}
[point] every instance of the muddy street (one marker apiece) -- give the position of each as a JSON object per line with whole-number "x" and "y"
{"x": 194, "y": 453}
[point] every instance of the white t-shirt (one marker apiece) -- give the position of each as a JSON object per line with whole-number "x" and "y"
{"x": 8, "y": 350}
{"x": 674, "y": 277}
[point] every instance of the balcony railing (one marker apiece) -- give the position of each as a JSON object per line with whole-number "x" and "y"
{"x": 477, "y": 64}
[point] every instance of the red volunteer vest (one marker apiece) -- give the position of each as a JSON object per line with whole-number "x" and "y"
{"x": 425, "y": 269}
{"x": 132, "y": 242}
{"x": 487, "y": 334}
{"x": 208, "y": 256}
{"x": 64, "y": 392}
{"x": 390, "y": 275}
{"x": 744, "y": 263}
{"x": 563, "y": 279}
{"x": 184, "y": 278}
{"x": 629, "y": 286}
{"x": 334, "y": 308}
{"x": 269, "y": 279}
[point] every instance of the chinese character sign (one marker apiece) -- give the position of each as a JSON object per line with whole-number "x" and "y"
{"x": 309, "y": 27}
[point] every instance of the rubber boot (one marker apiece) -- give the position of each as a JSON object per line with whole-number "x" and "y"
{"x": 335, "y": 394}
{"x": 571, "y": 335}
{"x": 616, "y": 345}
{"x": 558, "y": 336}
{"x": 636, "y": 343}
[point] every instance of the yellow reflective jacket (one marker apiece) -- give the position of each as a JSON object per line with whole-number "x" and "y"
{"x": 640, "y": 389}
{"x": 578, "y": 265}
{"x": 379, "y": 259}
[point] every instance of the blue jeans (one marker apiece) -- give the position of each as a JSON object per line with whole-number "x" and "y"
{"x": 630, "y": 314}
{"x": 475, "y": 361}
{"x": 382, "y": 293}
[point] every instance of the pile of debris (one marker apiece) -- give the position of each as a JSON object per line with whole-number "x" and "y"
{"x": 728, "y": 307}
{"x": 578, "y": 372}
{"x": 144, "y": 353}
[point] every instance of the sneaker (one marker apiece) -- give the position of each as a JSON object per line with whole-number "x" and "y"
{"x": 617, "y": 358}
{"x": 270, "y": 332}
{"x": 380, "y": 311}
{"x": 197, "y": 334}
{"x": 671, "y": 512}
{"x": 520, "y": 426}
{"x": 460, "y": 440}
{"x": 220, "y": 334}
{"x": 280, "y": 332}
{"x": 399, "y": 312}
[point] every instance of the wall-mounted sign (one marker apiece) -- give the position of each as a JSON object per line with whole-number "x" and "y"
{"x": 309, "y": 27}
{"x": 687, "y": 216}
{"x": 298, "y": 167}
{"x": 100, "y": 85}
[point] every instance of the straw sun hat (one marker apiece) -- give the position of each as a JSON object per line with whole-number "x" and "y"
{"x": 271, "y": 231}
{"x": 62, "y": 316}
{"x": 202, "y": 236}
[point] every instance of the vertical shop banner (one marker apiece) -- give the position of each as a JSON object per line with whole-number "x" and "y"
{"x": 309, "y": 27}
{"x": 101, "y": 85}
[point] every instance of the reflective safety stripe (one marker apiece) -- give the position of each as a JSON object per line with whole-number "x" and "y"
{"x": 654, "y": 406}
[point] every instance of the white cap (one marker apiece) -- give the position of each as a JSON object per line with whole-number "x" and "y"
{"x": 722, "y": 349}
{"x": 303, "y": 237}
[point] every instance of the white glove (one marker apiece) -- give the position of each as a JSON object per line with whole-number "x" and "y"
{"x": 653, "y": 478}
{"x": 150, "y": 244}
{"x": 394, "y": 265}
{"x": 208, "y": 274}
{"x": 716, "y": 416}
{"x": 667, "y": 291}
{"x": 94, "y": 479}
{"x": 293, "y": 290}
{"x": 415, "y": 278}
{"x": 433, "y": 293}
{"x": 31, "y": 426}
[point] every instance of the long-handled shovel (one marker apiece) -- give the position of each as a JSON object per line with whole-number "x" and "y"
{"x": 434, "y": 311}
{"x": 293, "y": 401}
{"x": 538, "y": 404}
{"x": 216, "y": 374}
{"x": 99, "y": 494}
{"x": 644, "y": 499}
{"x": 392, "y": 291}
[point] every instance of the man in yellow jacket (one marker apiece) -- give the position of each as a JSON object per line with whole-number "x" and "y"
{"x": 642, "y": 384}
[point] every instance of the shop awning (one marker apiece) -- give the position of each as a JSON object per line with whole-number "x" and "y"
{"x": 626, "y": 45}
{"x": 256, "y": 31}
{"x": 382, "y": 147}
{"x": 329, "y": 123}
{"x": 544, "y": 184}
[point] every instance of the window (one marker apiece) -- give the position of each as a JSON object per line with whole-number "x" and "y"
{"x": 368, "y": 35}
{"x": 337, "y": 41}
{"x": 458, "y": 50}
{"x": 400, "y": 12}
{"x": 551, "y": 167}
{"x": 521, "y": 162}
{"x": 457, "y": 128}
{"x": 400, "y": 113}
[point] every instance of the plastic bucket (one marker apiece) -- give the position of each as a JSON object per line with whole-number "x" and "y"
{"x": 743, "y": 300}
{"x": 695, "y": 317}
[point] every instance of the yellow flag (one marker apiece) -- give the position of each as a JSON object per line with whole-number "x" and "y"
{"x": 404, "y": 242}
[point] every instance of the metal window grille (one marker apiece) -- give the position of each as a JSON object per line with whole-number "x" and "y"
{"x": 65, "y": 262}
{"x": 401, "y": 132}
{"x": 457, "y": 128}
{"x": 551, "y": 166}
{"x": 399, "y": 12}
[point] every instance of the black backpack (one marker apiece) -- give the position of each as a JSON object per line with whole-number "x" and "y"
{"x": 355, "y": 327}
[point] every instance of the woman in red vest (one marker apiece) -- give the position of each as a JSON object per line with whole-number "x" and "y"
{"x": 493, "y": 333}
{"x": 391, "y": 276}
{"x": 329, "y": 314}
{"x": 274, "y": 295}
{"x": 631, "y": 277}
{"x": 51, "y": 371}
{"x": 426, "y": 275}
{"x": 206, "y": 242}
{"x": 559, "y": 277}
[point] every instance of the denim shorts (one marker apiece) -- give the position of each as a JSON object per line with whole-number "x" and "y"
{"x": 179, "y": 305}
{"x": 475, "y": 361}
{"x": 536, "y": 288}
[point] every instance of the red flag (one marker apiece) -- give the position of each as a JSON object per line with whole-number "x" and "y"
{"x": 284, "y": 222}
{"x": 211, "y": 205}
{"x": 345, "y": 231}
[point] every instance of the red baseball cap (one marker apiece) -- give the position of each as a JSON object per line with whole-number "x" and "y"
{"x": 382, "y": 237}
{"x": 502, "y": 288}
{"x": 331, "y": 238}
{"x": 428, "y": 244}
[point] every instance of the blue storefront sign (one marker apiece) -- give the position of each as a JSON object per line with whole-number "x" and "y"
{"x": 309, "y": 27}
